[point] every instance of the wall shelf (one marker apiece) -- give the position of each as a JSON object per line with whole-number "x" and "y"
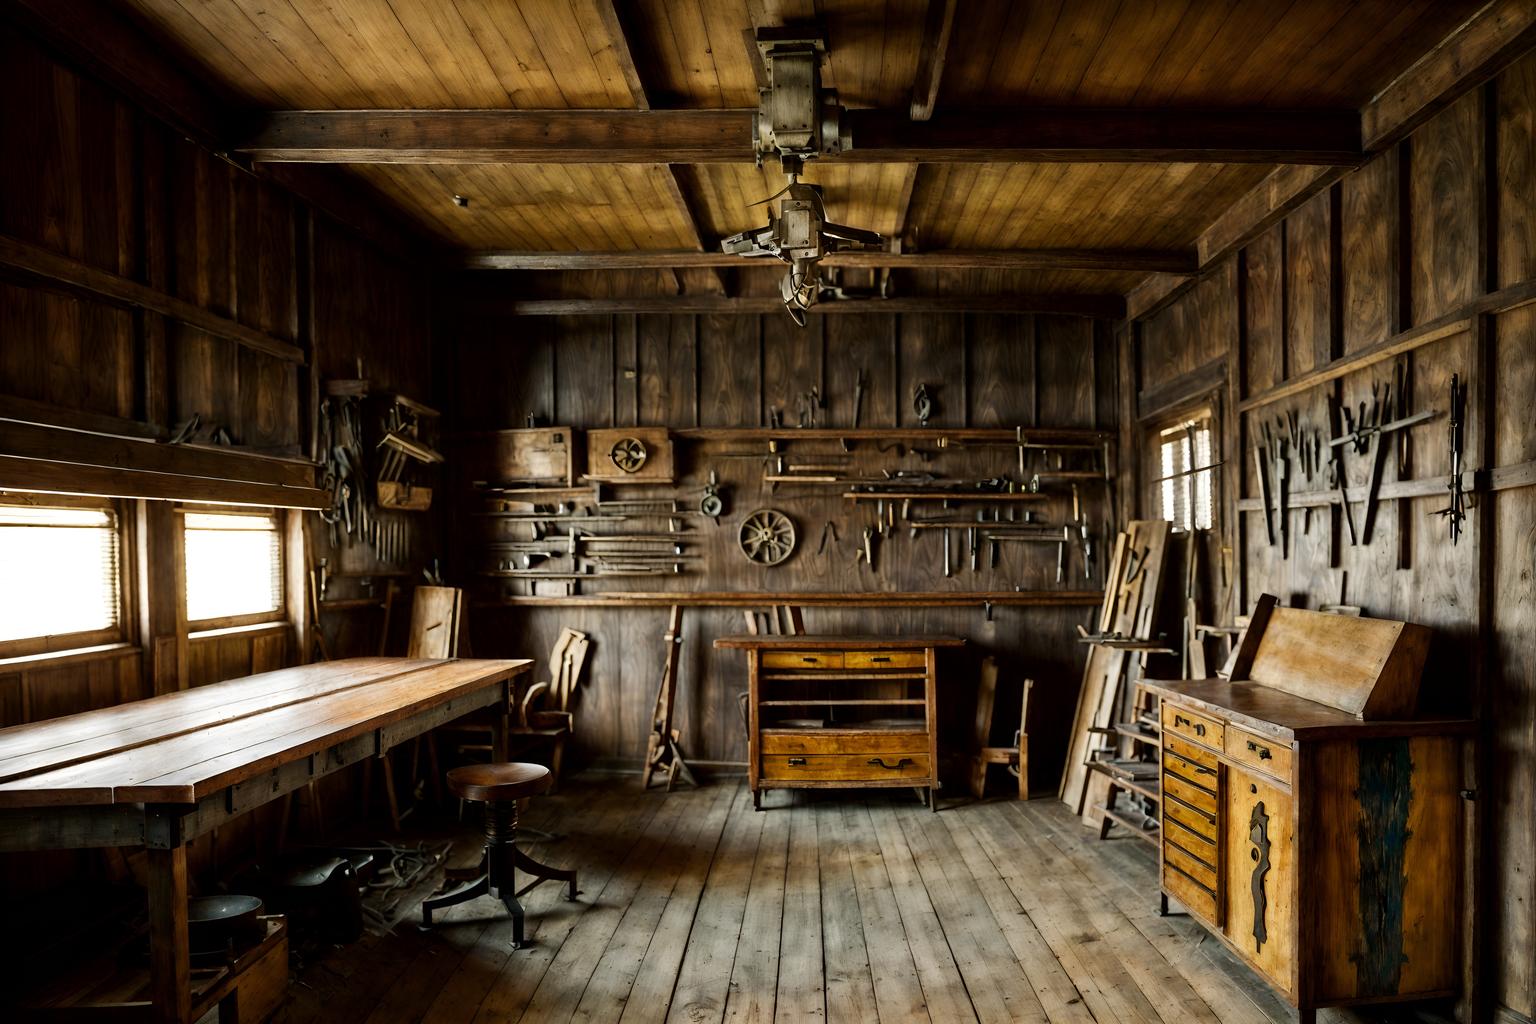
{"x": 758, "y": 599}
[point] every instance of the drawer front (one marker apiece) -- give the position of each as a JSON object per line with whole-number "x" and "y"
{"x": 1191, "y": 842}
{"x": 845, "y": 767}
{"x": 1189, "y": 752}
{"x": 1204, "y": 799}
{"x": 1262, "y": 754}
{"x": 803, "y": 659}
{"x": 884, "y": 659}
{"x": 1191, "y": 725}
{"x": 1195, "y": 821}
{"x": 1199, "y": 900}
{"x": 1201, "y": 775}
{"x": 1192, "y": 866}
{"x": 860, "y": 743}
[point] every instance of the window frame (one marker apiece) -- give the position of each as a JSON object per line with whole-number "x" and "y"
{"x": 218, "y": 622}
{"x": 1208, "y": 411}
{"x": 63, "y": 643}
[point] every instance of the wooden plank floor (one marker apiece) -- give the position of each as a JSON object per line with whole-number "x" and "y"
{"x": 831, "y": 906}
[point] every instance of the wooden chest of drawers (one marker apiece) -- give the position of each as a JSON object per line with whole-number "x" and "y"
{"x": 1322, "y": 847}
{"x": 835, "y": 711}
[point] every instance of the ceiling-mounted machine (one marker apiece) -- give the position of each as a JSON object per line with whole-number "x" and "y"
{"x": 797, "y": 120}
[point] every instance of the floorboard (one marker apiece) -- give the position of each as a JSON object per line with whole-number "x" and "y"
{"x": 831, "y": 906}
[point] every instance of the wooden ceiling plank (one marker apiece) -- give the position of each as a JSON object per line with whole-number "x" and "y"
{"x": 716, "y": 136}
{"x": 1177, "y": 261}
{"x": 1106, "y": 306}
{"x": 1479, "y": 48}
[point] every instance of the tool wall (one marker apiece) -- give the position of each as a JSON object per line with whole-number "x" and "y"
{"x": 732, "y": 392}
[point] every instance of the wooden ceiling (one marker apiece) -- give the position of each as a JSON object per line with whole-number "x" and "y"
{"x": 1181, "y": 56}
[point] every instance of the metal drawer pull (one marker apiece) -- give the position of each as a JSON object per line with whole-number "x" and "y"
{"x": 882, "y": 658}
{"x": 893, "y": 767}
{"x": 797, "y": 760}
{"x": 1181, "y": 720}
{"x": 809, "y": 660}
{"x": 1263, "y": 752}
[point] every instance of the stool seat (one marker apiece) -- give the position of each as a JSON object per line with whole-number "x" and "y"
{"x": 493, "y": 782}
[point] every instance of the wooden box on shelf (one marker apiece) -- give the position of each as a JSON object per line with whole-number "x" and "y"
{"x": 1309, "y": 819}
{"x": 841, "y": 711}
{"x": 630, "y": 455}
{"x": 536, "y": 455}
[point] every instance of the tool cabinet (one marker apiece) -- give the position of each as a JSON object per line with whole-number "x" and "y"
{"x": 1323, "y": 846}
{"x": 841, "y": 711}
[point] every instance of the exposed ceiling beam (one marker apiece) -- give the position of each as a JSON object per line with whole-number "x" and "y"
{"x": 931, "y": 53}
{"x": 724, "y": 136}
{"x": 613, "y": 24}
{"x": 1479, "y": 48}
{"x": 1109, "y": 307}
{"x": 1172, "y": 261}
{"x": 671, "y": 181}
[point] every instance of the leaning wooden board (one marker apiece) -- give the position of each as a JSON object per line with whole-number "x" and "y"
{"x": 158, "y": 773}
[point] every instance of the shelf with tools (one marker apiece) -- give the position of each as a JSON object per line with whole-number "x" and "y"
{"x": 690, "y": 503}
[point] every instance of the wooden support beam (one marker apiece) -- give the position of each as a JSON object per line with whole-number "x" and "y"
{"x": 1155, "y": 292}
{"x": 1173, "y": 261}
{"x": 1109, "y": 307}
{"x": 33, "y": 263}
{"x": 1328, "y": 137}
{"x": 931, "y": 53}
{"x": 708, "y": 246}
{"x": 1479, "y": 48}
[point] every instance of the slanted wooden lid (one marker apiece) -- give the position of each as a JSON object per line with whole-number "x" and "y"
{"x": 489, "y": 782}
{"x": 1369, "y": 668}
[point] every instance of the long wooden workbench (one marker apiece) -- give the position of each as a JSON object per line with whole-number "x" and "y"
{"x": 159, "y": 773}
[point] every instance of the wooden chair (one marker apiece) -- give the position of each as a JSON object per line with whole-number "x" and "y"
{"x": 544, "y": 710}
{"x": 436, "y": 632}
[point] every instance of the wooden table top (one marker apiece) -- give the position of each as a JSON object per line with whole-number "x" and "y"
{"x": 831, "y": 641}
{"x": 1285, "y": 716}
{"x": 180, "y": 747}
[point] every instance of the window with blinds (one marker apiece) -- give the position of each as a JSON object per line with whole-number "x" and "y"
{"x": 1186, "y": 482}
{"x": 60, "y": 571}
{"x": 234, "y": 567}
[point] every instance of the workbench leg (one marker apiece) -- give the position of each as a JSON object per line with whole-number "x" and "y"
{"x": 170, "y": 954}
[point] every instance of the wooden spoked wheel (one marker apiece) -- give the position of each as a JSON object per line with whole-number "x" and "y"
{"x": 629, "y": 454}
{"x": 767, "y": 536}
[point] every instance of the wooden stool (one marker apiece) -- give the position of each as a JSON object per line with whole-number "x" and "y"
{"x": 499, "y": 787}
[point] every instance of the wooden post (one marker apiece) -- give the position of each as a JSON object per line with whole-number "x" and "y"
{"x": 170, "y": 966}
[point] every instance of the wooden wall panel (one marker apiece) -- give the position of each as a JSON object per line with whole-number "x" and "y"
{"x": 1308, "y": 298}
{"x": 932, "y": 351}
{"x": 1368, "y": 211}
{"x": 867, "y": 344}
{"x": 1263, "y": 261}
{"x": 1414, "y": 222}
{"x": 1065, "y": 356}
{"x": 667, "y": 385}
{"x": 747, "y": 366}
{"x": 1514, "y": 128}
{"x": 792, "y": 368}
{"x": 1445, "y": 201}
{"x": 999, "y": 375}
{"x": 730, "y": 362}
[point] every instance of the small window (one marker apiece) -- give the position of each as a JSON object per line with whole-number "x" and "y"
{"x": 60, "y": 579}
{"x": 1186, "y": 474}
{"x": 234, "y": 565}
